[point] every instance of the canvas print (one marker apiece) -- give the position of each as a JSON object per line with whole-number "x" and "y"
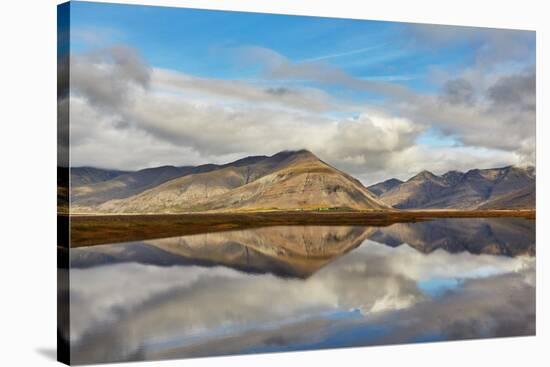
{"x": 233, "y": 183}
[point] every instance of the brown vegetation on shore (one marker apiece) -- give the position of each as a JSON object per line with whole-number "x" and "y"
{"x": 89, "y": 230}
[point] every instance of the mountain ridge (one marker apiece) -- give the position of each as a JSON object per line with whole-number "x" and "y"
{"x": 288, "y": 180}
{"x": 292, "y": 180}
{"x": 474, "y": 189}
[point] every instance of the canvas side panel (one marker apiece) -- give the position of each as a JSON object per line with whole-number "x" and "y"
{"x": 63, "y": 63}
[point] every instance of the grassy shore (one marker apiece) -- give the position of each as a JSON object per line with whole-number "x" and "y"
{"x": 87, "y": 230}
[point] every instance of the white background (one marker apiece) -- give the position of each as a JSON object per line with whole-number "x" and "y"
{"x": 28, "y": 181}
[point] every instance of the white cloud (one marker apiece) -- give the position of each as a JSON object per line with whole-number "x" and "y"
{"x": 306, "y": 99}
{"x": 414, "y": 159}
{"x": 491, "y": 46}
{"x": 128, "y": 115}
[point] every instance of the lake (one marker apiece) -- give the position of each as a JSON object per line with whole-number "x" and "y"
{"x": 292, "y": 288}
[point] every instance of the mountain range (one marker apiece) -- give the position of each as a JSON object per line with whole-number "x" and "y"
{"x": 291, "y": 180}
{"x": 497, "y": 188}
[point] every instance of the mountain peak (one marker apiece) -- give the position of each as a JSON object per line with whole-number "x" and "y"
{"x": 453, "y": 173}
{"x": 288, "y": 180}
{"x": 424, "y": 175}
{"x": 393, "y": 181}
{"x": 503, "y": 187}
{"x": 294, "y": 155}
{"x": 246, "y": 160}
{"x": 299, "y": 152}
{"x": 382, "y": 187}
{"x": 453, "y": 177}
{"x": 524, "y": 169}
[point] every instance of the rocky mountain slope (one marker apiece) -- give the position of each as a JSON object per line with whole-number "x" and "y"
{"x": 517, "y": 199}
{"x": 81, "y": 176}
{"x": 498, "y": 188}
{"x": 292, "y": 180}
{"x": 284, "y": 181}
{"x": 383, "y": 187}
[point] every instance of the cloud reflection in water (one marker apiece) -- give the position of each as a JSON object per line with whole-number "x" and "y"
{"x": 128, "y": 309}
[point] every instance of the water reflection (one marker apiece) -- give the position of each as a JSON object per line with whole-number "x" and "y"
{"x": 290, "y": 288}
{"x": 505, "y": 236}
{"x": 295, "y": 251}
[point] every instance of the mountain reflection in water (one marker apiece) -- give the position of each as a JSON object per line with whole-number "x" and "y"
{"x": 302, "y": 287}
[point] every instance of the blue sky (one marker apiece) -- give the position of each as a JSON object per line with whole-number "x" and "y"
{"x": 201, "y": 42}
{"x": 424, "y": 78}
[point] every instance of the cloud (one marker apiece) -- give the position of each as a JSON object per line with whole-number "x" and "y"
{"x": 106, "y": 77}
{"x": 118, "y": 102}
{"x": 341, "y": 54}
{"x": 126, "y": 114}
{"x": 152, "y": 129}
{"x": 277, "y": 66}
{"x": 278, "y": 91}
{"x": 491, "y": 102}
{"x": 304, "y": 99}
{"x": 516, "y": 91}
{"x": 463, "y": 109}
{"x": 372, "y": 133}
{"x": 458, "y": 91}
{"x": 498, "y": 113}
{"x": 491, "y": 46}
{"x": 412, "y": 160}
{"x": 109, "y": 140}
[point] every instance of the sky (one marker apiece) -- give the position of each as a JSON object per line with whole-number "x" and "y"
{"x": 153, "y": 86}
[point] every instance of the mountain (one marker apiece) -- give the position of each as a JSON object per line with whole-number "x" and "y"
{"x": 416, "y": 192}
{"x": 517, "y": 199}
{"x": 382, "y": 187}
{"x": 122, "y": 185}
{"x": 127, "y": 184}
{"x": 292, "y": 180}
{"x": 507, "y": 187}
{"x": 81, "y": 176}
{"x": 285, "y": 181}
{"x": 301, "y": 181}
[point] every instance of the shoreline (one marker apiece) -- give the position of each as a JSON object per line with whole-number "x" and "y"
{"x": 95, "y": 229}
{"x": 405, "y": 212}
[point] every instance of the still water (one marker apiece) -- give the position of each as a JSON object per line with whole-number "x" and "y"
{"x": 302, "y": 287}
